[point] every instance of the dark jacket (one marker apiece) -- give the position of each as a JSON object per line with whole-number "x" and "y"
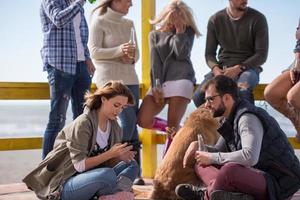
{"x": 277, "y": 158}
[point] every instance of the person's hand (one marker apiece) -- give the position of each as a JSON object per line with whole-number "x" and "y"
{"x": 158, "y": 95}
{"x": 203, "y": 158}
{"x": 171, "y": 132}
{"x": 217, "y": 71}
{"x": 118, "y": 150}
{"x": 177, "y": 21}
{"x": 232, "y": 72}
{"x": 190, "y": 154}
{"x": 90, "y": 67}
{"x": 129, "y": 49}
{"x": 126, "y": 60}
{"x": 128, "y": 156}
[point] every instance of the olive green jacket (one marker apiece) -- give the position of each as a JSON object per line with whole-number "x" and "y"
{"x": 73, "y": 143}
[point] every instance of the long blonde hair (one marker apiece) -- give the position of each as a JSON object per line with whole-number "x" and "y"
{"x": 187, "y": 14}
{"x": 109, "y": 90}
{"x": 103, "y": 5}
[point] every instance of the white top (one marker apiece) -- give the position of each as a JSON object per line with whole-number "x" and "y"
{"x": 101, "y": 139}
{"x": 80, "y": 48}
{"x": 107, "y": 33}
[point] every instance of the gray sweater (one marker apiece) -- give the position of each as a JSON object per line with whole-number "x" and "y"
{"x": 244, "y": 41}
{"x": 170, "y": 56}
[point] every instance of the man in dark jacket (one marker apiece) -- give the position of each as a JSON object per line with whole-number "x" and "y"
{"x": 252, "y": 158}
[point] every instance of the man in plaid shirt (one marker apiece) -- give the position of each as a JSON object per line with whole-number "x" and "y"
{"x": 66, "y": 59}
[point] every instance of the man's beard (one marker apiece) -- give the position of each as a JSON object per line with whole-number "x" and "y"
{"x": 242, "y": 8}
{"x": 220, "y": 110}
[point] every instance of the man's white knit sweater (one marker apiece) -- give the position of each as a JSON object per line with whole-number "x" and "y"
{"x": 107, "y": 33}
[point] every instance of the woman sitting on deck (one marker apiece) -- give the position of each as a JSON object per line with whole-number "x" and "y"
{"x": 170, "y": 48}
{"x": 283, "y": 92}
{"x": 88, "y": 159}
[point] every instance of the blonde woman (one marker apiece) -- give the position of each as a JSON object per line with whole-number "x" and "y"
{"x": 81, "y": 164}
{"x": 114, "y": 56}
{"x": 170, "y": 48}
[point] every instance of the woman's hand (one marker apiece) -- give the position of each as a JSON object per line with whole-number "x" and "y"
{"x": 126, "y": 60}
{"x": 119, "y": 149}
{"x": 129, "y": 49}
{"x": 158, "y": 96}
{"x": 128, "y": 156}
{"x": 177, "y": 19}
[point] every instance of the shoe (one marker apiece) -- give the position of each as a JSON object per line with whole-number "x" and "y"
{"x": 189, "y": 192}
{"x": 139, "y": 181}
{"x": 224, "y": 195}
{"x": 118, "y": 196}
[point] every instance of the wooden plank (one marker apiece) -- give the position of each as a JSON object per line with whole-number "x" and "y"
{"x": 7, "y": 144}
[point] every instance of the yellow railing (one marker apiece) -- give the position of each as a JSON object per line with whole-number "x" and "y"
{"x": 149, "y": 138}
{"x": 40, "y": 91}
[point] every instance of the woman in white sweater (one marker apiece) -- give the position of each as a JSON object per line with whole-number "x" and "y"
{"x": 114, "y": 56}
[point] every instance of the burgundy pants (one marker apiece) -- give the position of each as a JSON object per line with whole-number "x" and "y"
{"x": 233, "y": 177}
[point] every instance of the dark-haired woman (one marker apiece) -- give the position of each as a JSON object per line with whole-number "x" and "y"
{"x": 88, "y": 159}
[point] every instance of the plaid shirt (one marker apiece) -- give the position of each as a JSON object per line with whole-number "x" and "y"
{"x": 59, "y": 43}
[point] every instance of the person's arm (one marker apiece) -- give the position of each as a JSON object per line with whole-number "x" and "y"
{"x": 96, "y": 48}
{"x": 251, "y": 133}
{"x": 261, "y": 44}
{"x": 183, "y": 43}
{"x": 59, "y": 16}
{"x": 211, "y": 46}
{"x": 220, "y": 146}
{"x": 156, "y": 63}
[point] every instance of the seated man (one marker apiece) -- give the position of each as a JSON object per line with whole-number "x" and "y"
{"x": 236, "y": 46}
{"x": 252, "y": 158}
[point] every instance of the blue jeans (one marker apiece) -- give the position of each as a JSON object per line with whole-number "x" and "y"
{"x": 99, "y": 181}
{"x": 249, "y": 77}
{"x": 63, "y": 87}
{"x": 128, "y": 119}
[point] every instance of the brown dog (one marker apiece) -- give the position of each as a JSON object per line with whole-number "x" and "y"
{"x": 170, "y": 173}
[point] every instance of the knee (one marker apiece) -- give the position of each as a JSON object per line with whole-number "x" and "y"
{"x": 107, "y": 175}
{"x": 292, "y": 99}
{"x": 227, "y": 172}
{"x": 143, "y": 122}
{"x": 269, "y": 94}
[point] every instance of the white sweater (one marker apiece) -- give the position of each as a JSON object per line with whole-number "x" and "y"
{"x": 107, "y": 33}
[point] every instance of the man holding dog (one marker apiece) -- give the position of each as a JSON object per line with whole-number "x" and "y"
{"x": 252, "y": 158}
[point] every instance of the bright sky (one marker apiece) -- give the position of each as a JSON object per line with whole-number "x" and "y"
{"x": 21, "y": 37}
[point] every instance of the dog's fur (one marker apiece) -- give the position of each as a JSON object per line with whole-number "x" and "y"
{"x": 171, "y": 172}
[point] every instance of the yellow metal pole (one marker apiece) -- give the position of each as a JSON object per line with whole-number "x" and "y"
{"x": 149, "y": 151}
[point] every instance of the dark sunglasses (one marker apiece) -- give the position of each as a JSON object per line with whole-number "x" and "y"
{"x": 211, "y": 98}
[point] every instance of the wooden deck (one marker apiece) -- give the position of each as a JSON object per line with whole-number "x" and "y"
{"x": 19, "y": 191}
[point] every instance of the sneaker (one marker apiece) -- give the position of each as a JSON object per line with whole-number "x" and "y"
{"x": 189, "y": 192}
{"x": 139, "y": 181}
{"x": 224, "y": 195}
{"x": 118, "y": 196}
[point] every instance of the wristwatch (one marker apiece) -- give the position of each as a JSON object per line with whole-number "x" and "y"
{"x": 243, "y": 68}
